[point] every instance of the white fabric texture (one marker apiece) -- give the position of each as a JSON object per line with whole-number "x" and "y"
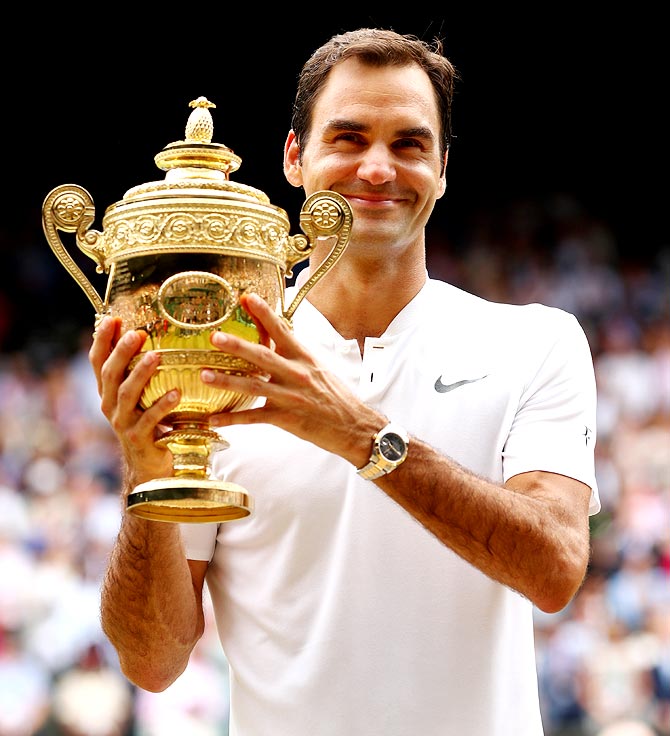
{"x": 338, "y": 612}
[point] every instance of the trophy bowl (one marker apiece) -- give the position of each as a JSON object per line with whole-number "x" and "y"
{"x": 179, "y": 254}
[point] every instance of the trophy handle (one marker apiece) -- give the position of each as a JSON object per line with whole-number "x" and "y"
{"x": 70, "y": 208}
{"x": 324, "y": 214}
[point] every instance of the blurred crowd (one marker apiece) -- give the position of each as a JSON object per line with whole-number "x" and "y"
{"x": 603, "y": 662}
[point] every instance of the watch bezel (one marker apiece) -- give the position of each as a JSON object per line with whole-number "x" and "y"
{"x": 390, "y": 441}
{"x": 380, "y": 464}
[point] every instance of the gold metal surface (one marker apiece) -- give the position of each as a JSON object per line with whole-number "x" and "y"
{"x": 179, "y": 254}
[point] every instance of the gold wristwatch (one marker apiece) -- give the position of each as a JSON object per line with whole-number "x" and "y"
{"x": 389, "y": 449}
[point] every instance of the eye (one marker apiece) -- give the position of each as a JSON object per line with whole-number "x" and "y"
{"x": 349, "y": 137}
{"x": 408, "y": 143}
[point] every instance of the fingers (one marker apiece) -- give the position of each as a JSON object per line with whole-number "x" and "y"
{"x": 114, "y": 369}
{"x": 272, "y": 327}
{"x": 120, "y": 392}
{"x": 105, "y": 337}
{"x": 131, "y": 384}
{"x": 286, "y": 362}
{"x": 267, "y": 364}
{"x": 144, "y": 425}
{"x": 120, "y": 389}
{"x": 250, "y": 302}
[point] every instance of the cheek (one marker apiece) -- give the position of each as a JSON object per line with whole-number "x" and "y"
{"x": 426, "y": 203}
{"x": 431, "y": 186}
{"x": 316, "y": 178}
{"x": 322, "y": 167}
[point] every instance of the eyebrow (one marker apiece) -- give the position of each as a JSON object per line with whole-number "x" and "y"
{"x": 344, "y": 124}
{"x": 356, "y": 127}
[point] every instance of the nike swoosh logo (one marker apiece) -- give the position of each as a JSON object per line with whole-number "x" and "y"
{"x": 442, "y": 388}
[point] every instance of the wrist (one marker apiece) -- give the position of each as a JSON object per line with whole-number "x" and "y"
{"x": 389, "y": 450}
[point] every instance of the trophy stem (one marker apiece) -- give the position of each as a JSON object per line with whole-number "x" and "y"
{"x": 191, "y": 444}
{"x": 190, "y": 496}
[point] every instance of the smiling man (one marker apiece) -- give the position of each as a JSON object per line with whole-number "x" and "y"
{"x": 417, "y": 456}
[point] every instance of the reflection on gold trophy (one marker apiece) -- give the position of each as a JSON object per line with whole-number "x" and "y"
{"x": 180, "y": 253}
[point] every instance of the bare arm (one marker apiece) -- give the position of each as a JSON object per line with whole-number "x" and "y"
{"x": 531, "y": 534}
{"x": 151, "y": 605}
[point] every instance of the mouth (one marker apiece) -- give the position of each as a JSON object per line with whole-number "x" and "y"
{"x": 372, "y": 201}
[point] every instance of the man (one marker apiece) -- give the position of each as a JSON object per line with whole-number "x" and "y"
{"x": 367, "y": 595}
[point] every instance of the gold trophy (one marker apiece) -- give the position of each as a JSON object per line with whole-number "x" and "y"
{"x": 180, "y": 252}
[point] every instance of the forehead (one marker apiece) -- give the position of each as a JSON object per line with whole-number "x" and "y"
{"x": 354, "y": 89}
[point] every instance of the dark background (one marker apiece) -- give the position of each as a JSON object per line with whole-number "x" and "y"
{"x": 551, "y": 100}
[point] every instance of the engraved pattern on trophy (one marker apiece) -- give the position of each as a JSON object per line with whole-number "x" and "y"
{"x": 179, "y": 254}
{"x": 150, "y": 229}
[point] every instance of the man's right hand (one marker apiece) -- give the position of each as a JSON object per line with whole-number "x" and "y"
{"x": 120, "y": 390}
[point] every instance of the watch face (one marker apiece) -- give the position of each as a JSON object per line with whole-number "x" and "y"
{"x": 392, "y": 446}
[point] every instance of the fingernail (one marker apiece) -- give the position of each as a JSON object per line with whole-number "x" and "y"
{"x": 172, "y": 396}
{"x": 130, "y": 338}
{"x": 207, "y": 375}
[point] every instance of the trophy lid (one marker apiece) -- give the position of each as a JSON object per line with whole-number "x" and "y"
{"x": 197, "y": 163}
{"x": 197, "y": 149}
{"x": 196, "y": 208}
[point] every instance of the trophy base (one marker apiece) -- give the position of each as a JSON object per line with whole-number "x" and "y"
{"x": 189, "y": 500}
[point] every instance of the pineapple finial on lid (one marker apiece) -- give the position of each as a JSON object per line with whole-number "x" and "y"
{"x": 197, "y": 152}
{"x": 200, "y": 126}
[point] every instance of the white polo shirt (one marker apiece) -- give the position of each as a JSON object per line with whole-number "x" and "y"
{"x": 339, "y": 614}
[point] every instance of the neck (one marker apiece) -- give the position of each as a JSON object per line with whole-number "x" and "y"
{"x": 362, "y": 302}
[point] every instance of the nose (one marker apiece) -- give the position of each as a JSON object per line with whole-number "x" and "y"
{"x": 376, "y": 165}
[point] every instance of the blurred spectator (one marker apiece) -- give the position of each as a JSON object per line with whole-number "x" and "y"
{"x": 627, "y": 727}
{"x": 91, "y": 698}
{"x": 637, "y": 588}
{"x": 616, "y": 677}
{"x": 25, "y": 695}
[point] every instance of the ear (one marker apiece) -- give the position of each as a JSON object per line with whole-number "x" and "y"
{"x": 443, "y": 178}
{"x": 292, "y": 167}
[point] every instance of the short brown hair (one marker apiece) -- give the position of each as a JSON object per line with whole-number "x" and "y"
{"x": 375, "y": 47}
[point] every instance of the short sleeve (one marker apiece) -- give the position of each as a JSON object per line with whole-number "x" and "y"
{"x": 555, "y": 426}
{"x": 199, "y": 540}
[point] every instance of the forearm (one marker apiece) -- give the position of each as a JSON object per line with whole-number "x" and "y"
{"x": 150, "y": 610}
{"x": 521, "y": 534}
